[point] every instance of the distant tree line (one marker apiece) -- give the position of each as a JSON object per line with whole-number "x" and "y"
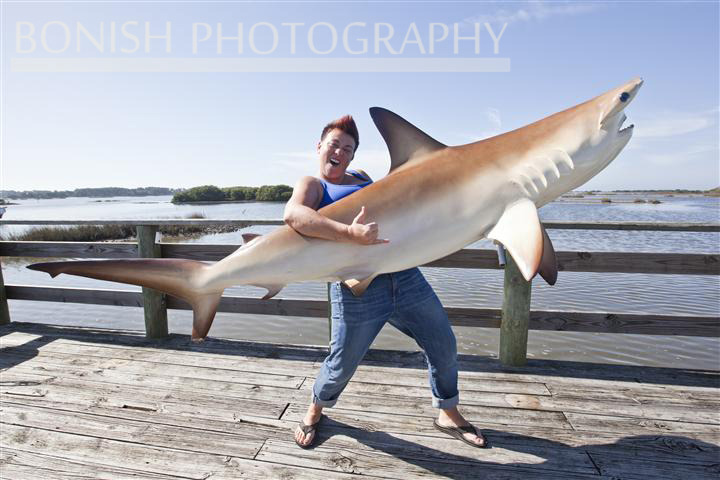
{"x": 89, "y": 192}
{"x": 211, "y": 193}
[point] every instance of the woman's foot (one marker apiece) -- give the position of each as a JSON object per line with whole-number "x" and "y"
{"x": 453, "y": 418}
{"x": 305, "y": 437}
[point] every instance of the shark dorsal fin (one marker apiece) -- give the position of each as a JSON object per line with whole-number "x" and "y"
{"x": 404, "y": 140}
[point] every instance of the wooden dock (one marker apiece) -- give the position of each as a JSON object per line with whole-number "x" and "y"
{"x": 84, "y": 403}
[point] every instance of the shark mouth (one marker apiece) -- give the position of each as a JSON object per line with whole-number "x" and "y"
{"x": 626, "y": 129}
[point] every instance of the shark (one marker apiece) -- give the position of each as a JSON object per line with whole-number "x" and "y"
{"x": 435, "y": 200}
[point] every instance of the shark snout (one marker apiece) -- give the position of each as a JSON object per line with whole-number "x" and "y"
{"x": 617, "y": 100}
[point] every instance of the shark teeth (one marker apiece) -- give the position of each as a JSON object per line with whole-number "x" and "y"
{"x": 622, "y": 120}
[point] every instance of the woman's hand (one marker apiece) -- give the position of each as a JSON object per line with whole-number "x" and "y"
{"x": 364, "y": 233}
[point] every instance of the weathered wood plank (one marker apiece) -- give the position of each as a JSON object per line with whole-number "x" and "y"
{"x": 596, "y": 422}
{"x": 64, "y": 390}
{"x": 678, "y": 450}
{"x": 153, "y": 460}
{"x": 459, "y": 316}
{"x": 93, "y": 367}
{"x": 419, "y": 380}
{"x": 191, "y": 439}
{"x": 117, "y": 454}
{"x": 197, "y": 251}
{"x": 637, "y": 262}
{"x": 150, "y": 222}
{"x": 622, "y": 466}
{"x": 644, "y": 226}
{"x": 642, "y": 396}
{"x": 233, "y": 361}
{"x": 388, "y": 399}
{"x": 645, "y": 324}
{"x": 21, "y": 465}
{"x": 109, "y": 405}
{"x": 240, "y": 388}
{"x": 655, "y": 226}
{"x": 69, "y": 249}
{"x": 415, "y": 457}
{"x": 538, "y": 370}
{"x": 416, "y": 416}
{"x": 605, "y": 262}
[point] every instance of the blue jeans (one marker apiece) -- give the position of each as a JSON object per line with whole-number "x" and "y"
{"x": 407, "y": 301}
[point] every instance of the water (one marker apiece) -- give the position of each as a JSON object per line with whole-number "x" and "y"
{"x": 629, "y": 293}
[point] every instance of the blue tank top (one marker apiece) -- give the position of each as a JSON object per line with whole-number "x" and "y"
{"x": 333, "y": 192}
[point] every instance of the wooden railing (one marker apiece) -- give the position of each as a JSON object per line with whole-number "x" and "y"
{"x": 514, "y": 319}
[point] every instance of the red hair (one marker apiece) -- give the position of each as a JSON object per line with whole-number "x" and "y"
{"x": 345, "y": 124}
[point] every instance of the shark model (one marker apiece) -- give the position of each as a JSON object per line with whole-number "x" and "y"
{"x": 434, "y": 201}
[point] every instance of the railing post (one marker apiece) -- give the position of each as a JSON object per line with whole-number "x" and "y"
{"x": 154, "y": 302}
{"x": 515, "y": 316}
{"x": 4, "y": 311}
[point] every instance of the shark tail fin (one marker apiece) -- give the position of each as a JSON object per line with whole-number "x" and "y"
{"x": 178, "y": 277}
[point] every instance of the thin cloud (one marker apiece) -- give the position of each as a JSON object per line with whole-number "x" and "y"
{"x": 668, "y": 124}
{"x": 490, "y": 125}
{"x": 679, "y": 156}
{"x": 533, "y": 11}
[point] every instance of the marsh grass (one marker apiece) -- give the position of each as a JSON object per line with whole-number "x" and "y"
{"x": 99, "y": 233}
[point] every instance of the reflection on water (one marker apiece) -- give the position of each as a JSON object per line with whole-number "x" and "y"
{"x": 630, "y": 293}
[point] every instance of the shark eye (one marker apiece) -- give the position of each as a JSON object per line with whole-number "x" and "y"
{"x": 624, "y": 96}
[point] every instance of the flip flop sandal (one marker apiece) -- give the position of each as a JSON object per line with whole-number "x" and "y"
{"x": 457, "y": 432}
{"x": 308, "y": 429}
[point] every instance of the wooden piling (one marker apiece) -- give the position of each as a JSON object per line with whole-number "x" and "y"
{"x": 515, "y": 316}
{"x": 4, "y": 310}
{"x": 154, "y": 302}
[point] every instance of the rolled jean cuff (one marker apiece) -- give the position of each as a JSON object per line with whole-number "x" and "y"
{"x": 446, "y": 403}
{"x": 323, "y": 403}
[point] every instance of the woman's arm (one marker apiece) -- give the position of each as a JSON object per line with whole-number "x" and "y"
{"x": 300, "y": 214}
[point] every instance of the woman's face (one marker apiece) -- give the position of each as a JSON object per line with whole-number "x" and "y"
{"x": 335, "y": 152}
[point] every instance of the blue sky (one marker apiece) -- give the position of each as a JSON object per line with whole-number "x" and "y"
{"x": 70, "y": 130}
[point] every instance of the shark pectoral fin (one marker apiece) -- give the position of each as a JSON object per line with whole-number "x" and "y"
{"x": 404, "y": 140}
{"x": 519, "y": 230}
{"x": 548, "y": 264}
{"x": 249, "y": 237}
{"x": 358, "y": 287}
{"x": 272, "y": 290}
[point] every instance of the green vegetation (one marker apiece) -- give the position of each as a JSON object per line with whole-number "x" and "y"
{"x": 89, "y": 192}
{"x": 211, "y": 193}
{"x": 713, "y": 192}
{"x": 99, "y": 233}
{"x": 204, "y": 193}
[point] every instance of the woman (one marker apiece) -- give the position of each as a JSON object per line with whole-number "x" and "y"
{"x": 404, "y": 298}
